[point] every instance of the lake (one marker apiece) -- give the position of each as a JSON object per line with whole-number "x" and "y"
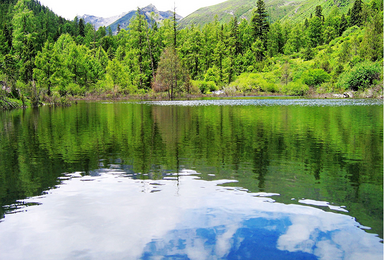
{"x": 256, "y": 178}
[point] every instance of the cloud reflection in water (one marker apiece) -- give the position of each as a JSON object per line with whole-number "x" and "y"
{"x": 110, "y": 216}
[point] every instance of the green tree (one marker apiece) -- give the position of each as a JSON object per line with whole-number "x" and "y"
{"x": 81, "y": 28}
{"x": 24, "y": 37}
{"x": 138, "y": 46}
{"x": 258, "y": 50}
{"x": 345, "y": 54}
{"x": 275, "y": 40}
{"x": 170, "y": 75}
{"x": 319, "y": 12}
{"x": 356, "y": 18}
{"x": 45, "y": 67}
{"x": 372, "y": 44}
{"x": 343, "y": 25}
{"x": 235, "y": 36}
{"x": 117, "y": 77}
{"x": 259, "y": 22}
{"x": 315, "y": 31}
{"x": 191, "y": 50}
{"x": 294, "y": 41}
{"x": 4, "y": 49}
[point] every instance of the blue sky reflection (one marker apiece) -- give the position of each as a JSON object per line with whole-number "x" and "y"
{"x": 114, "y": 217}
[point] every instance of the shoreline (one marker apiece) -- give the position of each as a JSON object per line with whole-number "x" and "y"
{"x": 10, "y": 104}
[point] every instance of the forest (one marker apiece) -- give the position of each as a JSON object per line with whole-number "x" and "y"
{"x": 45, "y": 58}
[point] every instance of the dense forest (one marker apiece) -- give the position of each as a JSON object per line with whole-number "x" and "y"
{"x": 45, "y": 58}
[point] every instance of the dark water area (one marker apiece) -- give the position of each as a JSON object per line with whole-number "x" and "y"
{"x": 206, "y": 179}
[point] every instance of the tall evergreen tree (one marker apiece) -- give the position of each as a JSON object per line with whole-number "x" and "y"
{"x": 356, "y": 18}
{"x": 81, "y": 28}
{"x": 259, "y": 22}
{"x": 343, "y": 25}
{"x": 235, "y": 35}
{"x": 319, "y": 11}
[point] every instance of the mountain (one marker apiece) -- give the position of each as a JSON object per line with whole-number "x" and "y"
{"x": 100, "y": 21}
{"x": 125, "y": 18}
{"x": 292, "y": 10}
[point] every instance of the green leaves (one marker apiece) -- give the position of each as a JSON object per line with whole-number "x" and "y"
{"x": 315, "y": 77}
{"x": 361, "y": 76}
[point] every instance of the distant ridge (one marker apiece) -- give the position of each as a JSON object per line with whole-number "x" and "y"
{"x": 100, "y": 21}
{"x": 125, "y": 18}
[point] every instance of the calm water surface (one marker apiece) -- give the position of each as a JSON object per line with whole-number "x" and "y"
{"x": 207, "y": 179}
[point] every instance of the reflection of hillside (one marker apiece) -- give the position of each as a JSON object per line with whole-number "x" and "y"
{"x": 321, "y": 153}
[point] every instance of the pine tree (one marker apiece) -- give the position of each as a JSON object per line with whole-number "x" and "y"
{"x": 8, "y": 35}
{"x": 306, "y": 23}
{"x": 235, "y": 36}
{"x": 356, "y": 11}
{"x": 319, "y": 12}
{"x": 343, "y": 25}
{"x": 259, "y": 23}
{"x": 315, "y": 31}
{"x": 3, "y": 44}
{"x": 81, "y": 28}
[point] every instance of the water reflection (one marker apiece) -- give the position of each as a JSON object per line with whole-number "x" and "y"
{"x": 110, "y": 215}
{"x": 126, "y": 201}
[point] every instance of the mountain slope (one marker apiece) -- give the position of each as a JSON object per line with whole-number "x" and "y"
{"x": 292, "y": 10}
{"x": 277, "y": 9}
{"x": 100, "y": 21}
{"x": 146, "y": 11}
{"x": 124, "y": 19}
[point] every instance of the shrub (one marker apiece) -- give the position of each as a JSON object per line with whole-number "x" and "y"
{"x": 204, "y": 86}
{"x": 246, "y": 82}
{"x": 255, "y": 81}
{"x": 212, "y": 74}
{"x": 315, "y": 77}
{"x": 295, "y": 88}
{"x": 360, "y": 76}
{"x": 75, "y": 90}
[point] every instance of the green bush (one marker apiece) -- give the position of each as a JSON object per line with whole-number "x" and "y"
{"x": 212, "y": 74}
{"x": 204, "y": 86}
{"x": 361, "y": 76}
{"x": 246, "y": 82}
{"x": 75, "y": 90}
{"x": 255, "y": 81}
{"x": 295, "y": 89}
{"x": 315, "y": 77}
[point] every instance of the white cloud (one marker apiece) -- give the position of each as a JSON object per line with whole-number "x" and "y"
{"x": 114, "y": 217}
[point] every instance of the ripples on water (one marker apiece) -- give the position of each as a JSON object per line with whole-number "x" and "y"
{"x": 270, "y": 102}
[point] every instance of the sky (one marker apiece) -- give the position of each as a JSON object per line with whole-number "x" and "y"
{"x": 71, "y": 8}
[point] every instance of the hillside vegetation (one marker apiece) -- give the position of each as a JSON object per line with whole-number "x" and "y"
{"x": 242, "y": 9}
{"x": 278, "y": 10}
{"x": 47, "y": 59}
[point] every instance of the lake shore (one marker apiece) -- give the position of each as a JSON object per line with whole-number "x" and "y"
{"x": 376, "y": 92}
{"x": 8, "y": 103}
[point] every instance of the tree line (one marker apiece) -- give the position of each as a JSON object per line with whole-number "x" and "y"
{"x": 43, "y": 55}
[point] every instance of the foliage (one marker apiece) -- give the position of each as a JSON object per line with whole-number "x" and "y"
{"x": 254, "y": 82}
{"x": 295, "y": 88}
{"x": 46, "y": 52}
{"x": 205, "y": 87}
{"x": 315, "y": 77}
{"x": 361, "y": 76}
